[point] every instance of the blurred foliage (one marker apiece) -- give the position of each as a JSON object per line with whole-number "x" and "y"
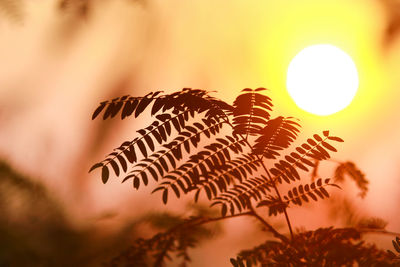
{"x": 81, "y": 9}
{"x": 177, "y": 236}
{"x": 12, "y": 9}
{"x": 36, "y": 231}
{"x": 33, "y": 228}
{"x": 350, "y": 169}
{"x": 392, "y": 12}
{"x": 321, "y": 247}
{"x": 395, "y": 255}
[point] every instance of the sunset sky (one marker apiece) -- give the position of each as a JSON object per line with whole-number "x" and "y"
{"x": 56, "y": 66}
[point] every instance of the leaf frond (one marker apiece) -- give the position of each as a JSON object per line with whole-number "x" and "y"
{"x": 320, "y": 247}
{"x": 276, "y": 135}
{"x": 194, "y": 100}
{"x": 157, "y": 132}
{"x": 211, "y": 158}
{"x": 315, "y": 148}
{"x": 285, "y": 170}
{"x": 298, "y": 195}
{"x": 239, "y": 196}
{"x": 156, "y": 164}
{"x": 251, "y": 111}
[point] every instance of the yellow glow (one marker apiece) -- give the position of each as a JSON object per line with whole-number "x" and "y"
{"x": 322, "y": 79}
{"x": 293, "y": 25}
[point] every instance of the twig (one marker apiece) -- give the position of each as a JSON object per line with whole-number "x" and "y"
{"x": 204, "y": 220}
{"x": 269, "y": 177}
{"x": 207, "y": 220}
{"x": 269, "y": 227}
{"x": 377, "y": 231}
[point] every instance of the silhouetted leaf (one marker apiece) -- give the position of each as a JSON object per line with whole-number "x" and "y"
{"x": 129, "y": 107}
{"x": 165, "y": 196}
{"x": 115, "y": 167}
{"x": 250, "y": 111}
{"x": 334, "y": 138}
{"x": 130, "y": 154}
{"x": 142, "y": 148}
{"x": 149, "y": 142}
{"x": 324, "y": 192}
{"x": 104, "y": 174}
{"x": 176, "y": 190}
{"x": 122, "y": 162}
{"x": 99, "y": 109}
{"x": 396, "y": 244}
{"x": 136, "y": 182}
{"x": 317, "y": 137}
{"x": 95, "y": 166}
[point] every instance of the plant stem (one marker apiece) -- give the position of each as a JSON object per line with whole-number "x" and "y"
{"x": 208, "y": 220}
{"x": 204, "y": 220}
{"x": 280, "y": 198}
{"x": 377, "y": 231}
{"x": 269, "y": 177}
{"x": 269, "y": 227}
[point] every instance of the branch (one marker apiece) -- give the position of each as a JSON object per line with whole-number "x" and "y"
{"x": 269, "y": 227}
{"x": 203, "y": 220}
{"x": 377, "y": 231}
{"x": 269, "y": 176}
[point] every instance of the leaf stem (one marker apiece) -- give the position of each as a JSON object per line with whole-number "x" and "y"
{"x": 377, "y": 231}
{"x": 269, "y": 177}
{"x": 266, "y": 224}
{"x": 252, "y": 212}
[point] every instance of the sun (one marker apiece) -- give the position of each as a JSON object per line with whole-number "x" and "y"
{"x": 322, "y": 79}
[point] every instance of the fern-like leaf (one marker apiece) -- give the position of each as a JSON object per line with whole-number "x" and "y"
{"x": 128, "y": 104}
{"x": 156, "y": 165}
{"x": 156, "y": 132}
{"x": 300, "y": 194}
{"x": 239, "y": 196}
{"x": 315, "y": 148}
{"x": 195, "y": 100}
{"x": 284, "y": 170}
{"x": 212, "y": 157}
{"x": 277, "y": 135}
{"x": 239, "y": 168}
{"x": 297, "y": 195}
{"x": 320, "y": 247}
{"x": 274, "y": 204}
{"x": 251, "y": 111}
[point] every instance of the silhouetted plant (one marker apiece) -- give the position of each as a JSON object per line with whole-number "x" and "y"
{"x": 395, "y": 255}
{"x": 179, "y": 235}
{"x": 234, "y": 155}
{"x": 350, "y": 169}
{"x": 321, "y": 247}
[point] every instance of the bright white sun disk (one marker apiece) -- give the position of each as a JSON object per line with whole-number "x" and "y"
{"x": 322, "y": 79}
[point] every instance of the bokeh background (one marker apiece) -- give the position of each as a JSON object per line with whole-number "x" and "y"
{"x": 59, "y": 59}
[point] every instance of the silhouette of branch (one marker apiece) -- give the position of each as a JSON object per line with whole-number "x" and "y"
{"x": 204, "y": 220}
{"x": 266, "y": 224}
{"x": 280, "y": 198}
{"x": 160, "y": 258}
{"x": 377, "y": 231}
{"x": 269, "y": 177}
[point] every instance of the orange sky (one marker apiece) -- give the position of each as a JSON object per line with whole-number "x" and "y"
{"x": 55, "y": 68}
